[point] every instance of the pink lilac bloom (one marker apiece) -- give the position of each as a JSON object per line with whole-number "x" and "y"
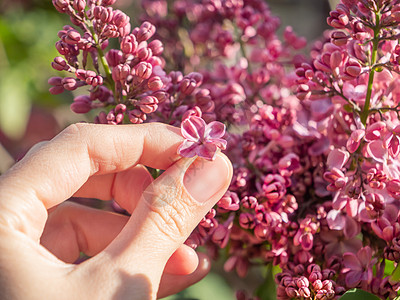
{"x": 315, "y": 139}
{"x": 201, "y": 139}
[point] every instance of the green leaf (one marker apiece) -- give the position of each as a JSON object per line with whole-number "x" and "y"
{"x": 395, "y": 275}
{"x": 357, "y": 294}
{"x": 389, "y": 267}
{"x": 267, "y": 291}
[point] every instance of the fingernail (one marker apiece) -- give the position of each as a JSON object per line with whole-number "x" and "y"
{"x": 205, "y": 178}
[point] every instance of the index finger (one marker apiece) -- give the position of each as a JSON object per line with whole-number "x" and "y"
{"x": 47, "y": 177}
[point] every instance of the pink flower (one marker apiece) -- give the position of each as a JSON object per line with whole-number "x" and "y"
{"x": 358, "y": 268}
{"x": 201, "y": 139}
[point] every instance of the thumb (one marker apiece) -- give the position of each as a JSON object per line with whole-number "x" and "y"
{"x": 170, "y": 208}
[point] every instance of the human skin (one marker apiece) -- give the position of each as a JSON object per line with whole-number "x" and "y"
{"x": 137, "y": 257}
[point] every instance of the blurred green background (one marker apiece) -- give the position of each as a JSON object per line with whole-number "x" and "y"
{"x": 29, "y": 114}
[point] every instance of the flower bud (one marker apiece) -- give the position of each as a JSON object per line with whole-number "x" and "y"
{"x": 246, "y": 220}
{"x": 156, "y": 47}
{"x": 79, "y": 5}
{"x": 339, "y": 38}
{"x": 187, "y": 86}
{"x": 143, "y": 70}
{"x": 145, "y": 32}
{"x": 161, "y": 96}
{"x": 114, "y": 57}
{"x": 59, "y": 64}
{"x": 148, "y": 104}
{"x": 111, "y": 31}
{"x": 136, "y": 116}
{"x": 120, "y": 19}
{"x": 61, "y": 5}
{"x": 261, "y": 231}
{"x": 72, "y": 37}
{"x": 155, "y": 83}
{"x": 57, "y": 87}
{"x": 120, "y": 72}
{"x": 81, "y": 104}
{"x": 144, "y": 53}
{"x": 108, "y": 2}
{"x": 69, "y": 83}
{"x": 129, "y": 44}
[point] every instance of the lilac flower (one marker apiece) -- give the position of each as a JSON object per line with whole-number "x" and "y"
{"x": 201, "y": 139}
{"x": 358, "y": 268}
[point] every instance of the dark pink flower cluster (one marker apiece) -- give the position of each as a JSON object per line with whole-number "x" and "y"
{"x": 315, "y": 141}
{"x": 129, "y": 81}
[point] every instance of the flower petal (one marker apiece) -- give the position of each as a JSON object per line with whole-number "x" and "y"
{"x": 193, "y": 128}
{"x": 376, "y": 149}
{"x": 351, "y": 261}
{"x": 337, "y": 158}
{"x": 188, "y": 148}
{"x": 207, "y": 151}
{"x": 335, "y": 219}
{"x": 220, "y": 143}
{"x": 215, "y": 130}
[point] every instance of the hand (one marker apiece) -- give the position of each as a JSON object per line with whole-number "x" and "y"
{"x": 136, "y": 257}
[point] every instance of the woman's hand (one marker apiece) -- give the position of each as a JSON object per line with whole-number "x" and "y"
{"x": 137, "y": 257}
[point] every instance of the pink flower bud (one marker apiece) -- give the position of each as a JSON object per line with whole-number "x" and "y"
{"x": 111, "y": 31}
{"x": 145, "y": 32}
{"x": 148, "y": 104}
{"x": 155, "y": 83}
{"x": 57, "y": 85}
{"x": 61, "y": 5}
{"x": 143, "y": 70}
{"x": 246, "y": 220}
{"x": 114, "y": 57}
{"x": 220, "y": 236}
{"x": 81, "y": 104}
{"x": 79, "y": 5}
{"x": 120, "y": 72}
{"x": 249, "y": 202}
{"x": 302, "y": 282}
{"x": 108, "y": 2}
{"x": 125, "y": 30}
{"x": 120, "y": 19}
{"x": 136, "y": 116}
{"x": 229, "y": 201}
{"x": 72, "y": 37}
{"x": 103, "y": 14}
{"x": 69, "y": 83}
{"x": 339, "y": 38}
{"x": 129, "y": 44}
{"x": 59, "y": 64}
{"x": 101, "y": 118}
{"x": 261, "y": 231}
{"x": 161, "y": 96}
{"x": 144, "y": 53}
{"x": 292, "y": 292}
{"x": 156, "y": 47}
{"x": 187, "y": 86}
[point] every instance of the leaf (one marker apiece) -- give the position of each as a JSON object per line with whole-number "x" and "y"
{"x": 389, "y": 267}
{"x": 267, "y": 290}
{"x": 395, "y": 275}
{"x": 357, "y": 294}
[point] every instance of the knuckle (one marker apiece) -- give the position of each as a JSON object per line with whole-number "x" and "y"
{"x": 171, "y": 213}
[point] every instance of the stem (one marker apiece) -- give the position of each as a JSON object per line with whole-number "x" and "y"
{"x": 103, "y": 60}
{"x": 375, "y": 41}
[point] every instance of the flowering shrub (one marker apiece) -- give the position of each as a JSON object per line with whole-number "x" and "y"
{"x": 314, "y": 140}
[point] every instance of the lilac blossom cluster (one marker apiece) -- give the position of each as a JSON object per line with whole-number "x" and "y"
{"x": 314, "y": 140}
{"x": 130, "y": 80}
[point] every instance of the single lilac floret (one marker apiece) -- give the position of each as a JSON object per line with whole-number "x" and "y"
{"x": 201, "y": 139}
